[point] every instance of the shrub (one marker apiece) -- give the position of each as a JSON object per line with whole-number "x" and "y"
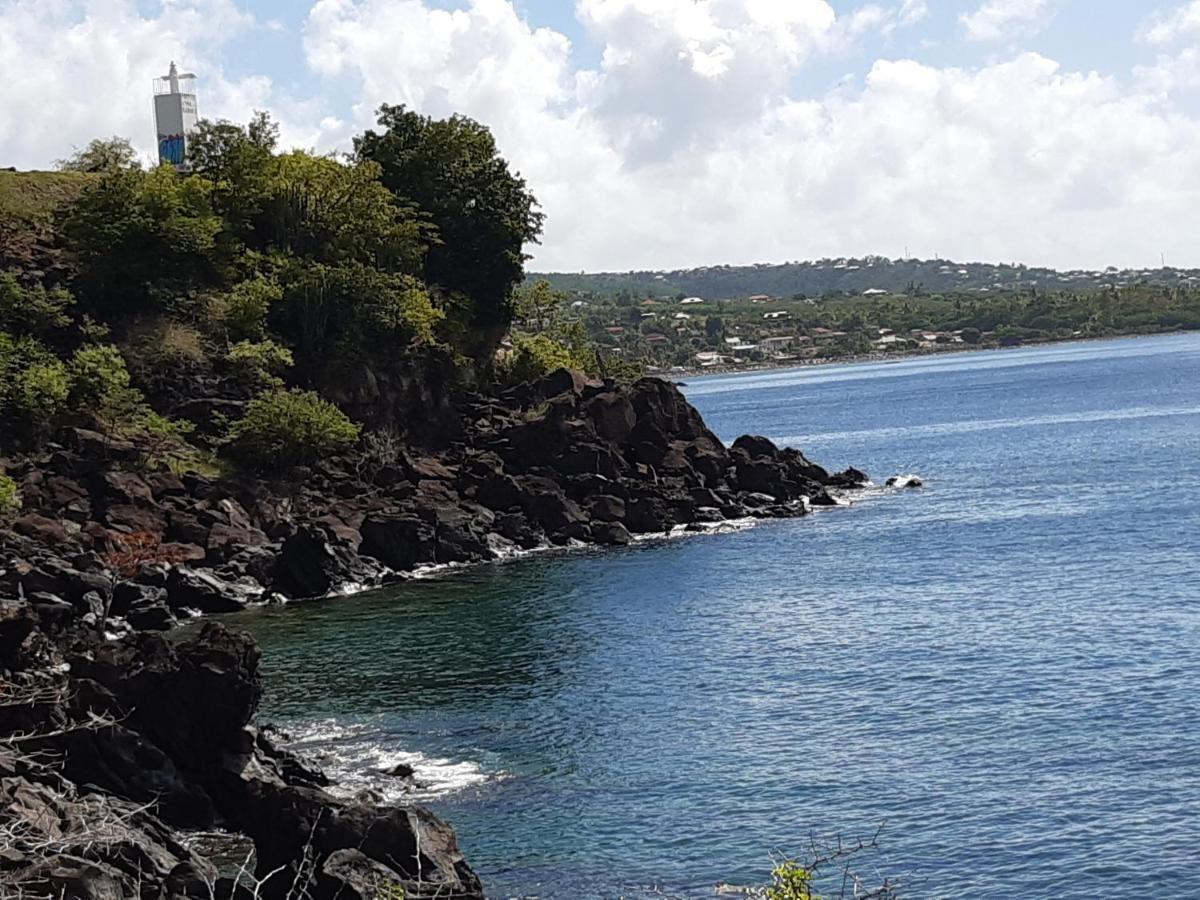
{"x": 33, "y": 386}
{"x": 533, "y": 356}
{"x": 791, "y": 881}
{"x": 290, "y": 428}
{"x": 10, "y": 498}
{"x": 260, "y": 362}
{"x": 97, "y": 375}
{"x": 42, "y": 390}
{"x": 167, "y": 345}
{"x": 241, "y": 314}
{"x": 32, "y": 310}
{"x": 133, "y": 552}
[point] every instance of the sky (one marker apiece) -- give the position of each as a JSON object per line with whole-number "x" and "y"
{"x": 665, "y": 134}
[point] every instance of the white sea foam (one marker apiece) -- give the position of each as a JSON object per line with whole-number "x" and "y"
{"x": 358, "y": 757}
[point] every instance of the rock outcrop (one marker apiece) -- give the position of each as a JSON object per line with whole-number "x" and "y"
{"x": 113, "y": 746}
{"x": 565, "y": 459}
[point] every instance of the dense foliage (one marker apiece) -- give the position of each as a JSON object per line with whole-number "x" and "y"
{"x": 483, "y": 214}
{"x": 228, "y": 308}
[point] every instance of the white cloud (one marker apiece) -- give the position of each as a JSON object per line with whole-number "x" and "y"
{"x": 996, "y": 19}
{"x": 72, "y": 71}
{"x": 1166, "y": 28}
{"x": 689, "y": 142}
{"x": 686, "y": 145}
{"x": 912, "y": 11}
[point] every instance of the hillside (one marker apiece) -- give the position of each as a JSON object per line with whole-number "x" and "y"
{"x": 854, "y": 276}
{"x": 31, "y": 198}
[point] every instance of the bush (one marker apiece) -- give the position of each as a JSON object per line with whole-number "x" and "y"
{"x": 32, "y": 310}
{"x": 260, "y": 363}
{"x": 791, "y": 881}
{"x": 34, "y": 385}
{"x": 165, "y": 346}
{"x": 290, "y": 428}
{"x": 534, "y": 355}
{"x": 241, "y": 314}
{"x": 10, "y": 498}
{"x": 41, "y": 391}
{"x": 97, "y": 375}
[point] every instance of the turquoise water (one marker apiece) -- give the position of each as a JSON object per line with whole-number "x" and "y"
{"x": 1004, "y": 666}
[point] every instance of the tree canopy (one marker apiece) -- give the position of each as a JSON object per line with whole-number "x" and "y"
{"x": 483, "y": 213}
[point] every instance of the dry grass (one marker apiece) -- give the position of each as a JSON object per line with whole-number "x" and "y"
{"x": 31, "y": 198}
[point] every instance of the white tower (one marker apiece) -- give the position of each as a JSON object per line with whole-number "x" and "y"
{"x": 175, "y": 115}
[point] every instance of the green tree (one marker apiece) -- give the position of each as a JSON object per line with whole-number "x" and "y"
{"x": 98, "y": 374}
{"x": 114, "y": 154}
{"x": 34, "y": 387}
{"x": 346, "y": 312}
{"x": 235, "y": 161}
{"x": 534, "y": 355}
{"x": 483, "y": 212}
{"x": 259, "y": 363}
{"x": 240, "y": 314}
{"x": 332, "y": 212}
{"x": 140, "y": 234}
{"x": 538, "y": 306}
{"x": 714, "y": 329}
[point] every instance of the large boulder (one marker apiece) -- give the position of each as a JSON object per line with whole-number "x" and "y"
{"x": 401, "y": 542}
{"x": 545, "y": 503}
{"x": 315, "y": 562}
{"x": 612, "y": 414}
{"x": 756, "y": 447}
{"x": 201, "y": 591}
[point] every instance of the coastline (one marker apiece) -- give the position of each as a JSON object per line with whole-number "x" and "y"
{"x": 886, "y": 357}
{"x": 108, "y": 555}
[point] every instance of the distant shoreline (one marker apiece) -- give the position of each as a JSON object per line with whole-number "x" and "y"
{"x": 897, "y": 356}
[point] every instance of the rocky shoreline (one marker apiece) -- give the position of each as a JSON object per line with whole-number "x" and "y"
{"x": 117, "y": 740}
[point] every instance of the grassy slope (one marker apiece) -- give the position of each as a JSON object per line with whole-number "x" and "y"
{"x": 30, "y": 198}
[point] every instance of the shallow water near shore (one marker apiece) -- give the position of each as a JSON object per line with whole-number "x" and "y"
{"x": 1002, "y": 666}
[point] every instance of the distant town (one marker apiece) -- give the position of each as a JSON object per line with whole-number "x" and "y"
{"x": 729, "y": 317}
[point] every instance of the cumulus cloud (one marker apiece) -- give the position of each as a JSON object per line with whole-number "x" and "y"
{"x": 1168, "y": 27}
{"x": 996, "y": 19}
{"x": 689, "y": 141}
{"x": 71, "y": 71}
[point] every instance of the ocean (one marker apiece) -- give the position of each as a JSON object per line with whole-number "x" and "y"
{"x": 998, "y": 673}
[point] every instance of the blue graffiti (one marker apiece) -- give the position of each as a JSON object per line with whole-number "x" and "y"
{"x": 171, "y": 149}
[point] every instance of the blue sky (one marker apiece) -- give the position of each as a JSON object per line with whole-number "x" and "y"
{"x": 663, "y": 133}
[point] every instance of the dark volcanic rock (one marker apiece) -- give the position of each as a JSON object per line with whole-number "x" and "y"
{"x": 611, "y": 533}
{"x": 134, "y": 718}
{"x": 204, "y": 592}
{"x": 315, "y": 561}
{"x": 851, "y": 478}
{"x": 172, "y": 727}
{"x": 402, "y": 542}
{"x": 41, "y": 529}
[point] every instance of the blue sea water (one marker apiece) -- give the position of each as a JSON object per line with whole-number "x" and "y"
{"x": 1003, "y": 667}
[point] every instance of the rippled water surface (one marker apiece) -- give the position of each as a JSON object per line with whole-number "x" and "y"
{"x": 1004, "y": 666}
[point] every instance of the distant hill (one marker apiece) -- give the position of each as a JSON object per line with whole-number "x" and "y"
{"x": 855, "y": 276}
